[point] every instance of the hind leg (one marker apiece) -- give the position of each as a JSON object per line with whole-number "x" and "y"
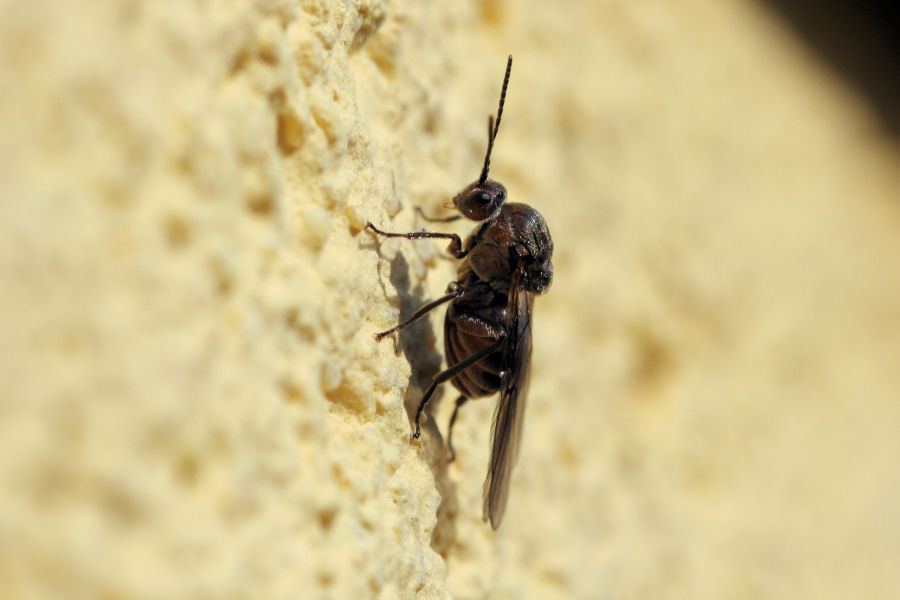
{"x": 449, "y": 374}
{"x": 459, "y": 402}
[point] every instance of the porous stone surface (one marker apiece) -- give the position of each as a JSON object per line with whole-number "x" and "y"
{"x": 192, "y": 404}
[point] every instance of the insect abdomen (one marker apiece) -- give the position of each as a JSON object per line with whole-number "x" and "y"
{"x": 482, "y": 378}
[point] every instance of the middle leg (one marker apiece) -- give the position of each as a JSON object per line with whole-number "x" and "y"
{"x": 455, "y": 291}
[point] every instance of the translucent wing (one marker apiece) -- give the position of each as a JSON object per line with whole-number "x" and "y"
{"x": 506, "y": 430}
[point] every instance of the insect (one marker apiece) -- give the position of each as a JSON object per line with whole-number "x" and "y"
{"x": 487, "y": 328}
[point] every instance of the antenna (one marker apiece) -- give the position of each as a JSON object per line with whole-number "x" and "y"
{"x": 494, "y": 127}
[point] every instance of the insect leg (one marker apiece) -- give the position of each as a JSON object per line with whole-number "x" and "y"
{"x": 450, "y": 373}
{"x": 459, "y": 402}
{"x": 455, "y": 247}
{"x": 456, "y": 292}
{"x": 437, "y": 220}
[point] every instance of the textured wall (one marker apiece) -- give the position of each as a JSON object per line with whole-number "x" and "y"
{"x": 192, "y": 404}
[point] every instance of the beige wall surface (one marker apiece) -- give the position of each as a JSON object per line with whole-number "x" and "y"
{"x": 192, "y": 404}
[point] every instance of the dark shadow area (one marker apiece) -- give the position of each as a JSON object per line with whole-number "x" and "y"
{"x": 418, "y": 343}
{"x": 860, "y": 40}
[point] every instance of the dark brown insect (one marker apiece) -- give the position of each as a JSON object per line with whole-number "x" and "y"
{"x": 487, "y": 329}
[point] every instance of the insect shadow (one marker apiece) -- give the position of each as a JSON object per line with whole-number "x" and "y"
{"x": 418, "y": 344}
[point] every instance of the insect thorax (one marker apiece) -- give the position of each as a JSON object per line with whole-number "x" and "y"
{"x": 517, "y": 235}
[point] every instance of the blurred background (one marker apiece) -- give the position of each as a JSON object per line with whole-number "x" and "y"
{"x": 192, "y": 404}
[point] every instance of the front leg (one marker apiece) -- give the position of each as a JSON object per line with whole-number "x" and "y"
{"x": 437, "y": 219}
{"x": 455, "y": 248}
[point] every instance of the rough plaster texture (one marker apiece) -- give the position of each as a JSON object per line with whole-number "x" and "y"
{"x": 192, "y": 404}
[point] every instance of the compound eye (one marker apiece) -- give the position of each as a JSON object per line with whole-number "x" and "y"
{"x": 480, "y": 200}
